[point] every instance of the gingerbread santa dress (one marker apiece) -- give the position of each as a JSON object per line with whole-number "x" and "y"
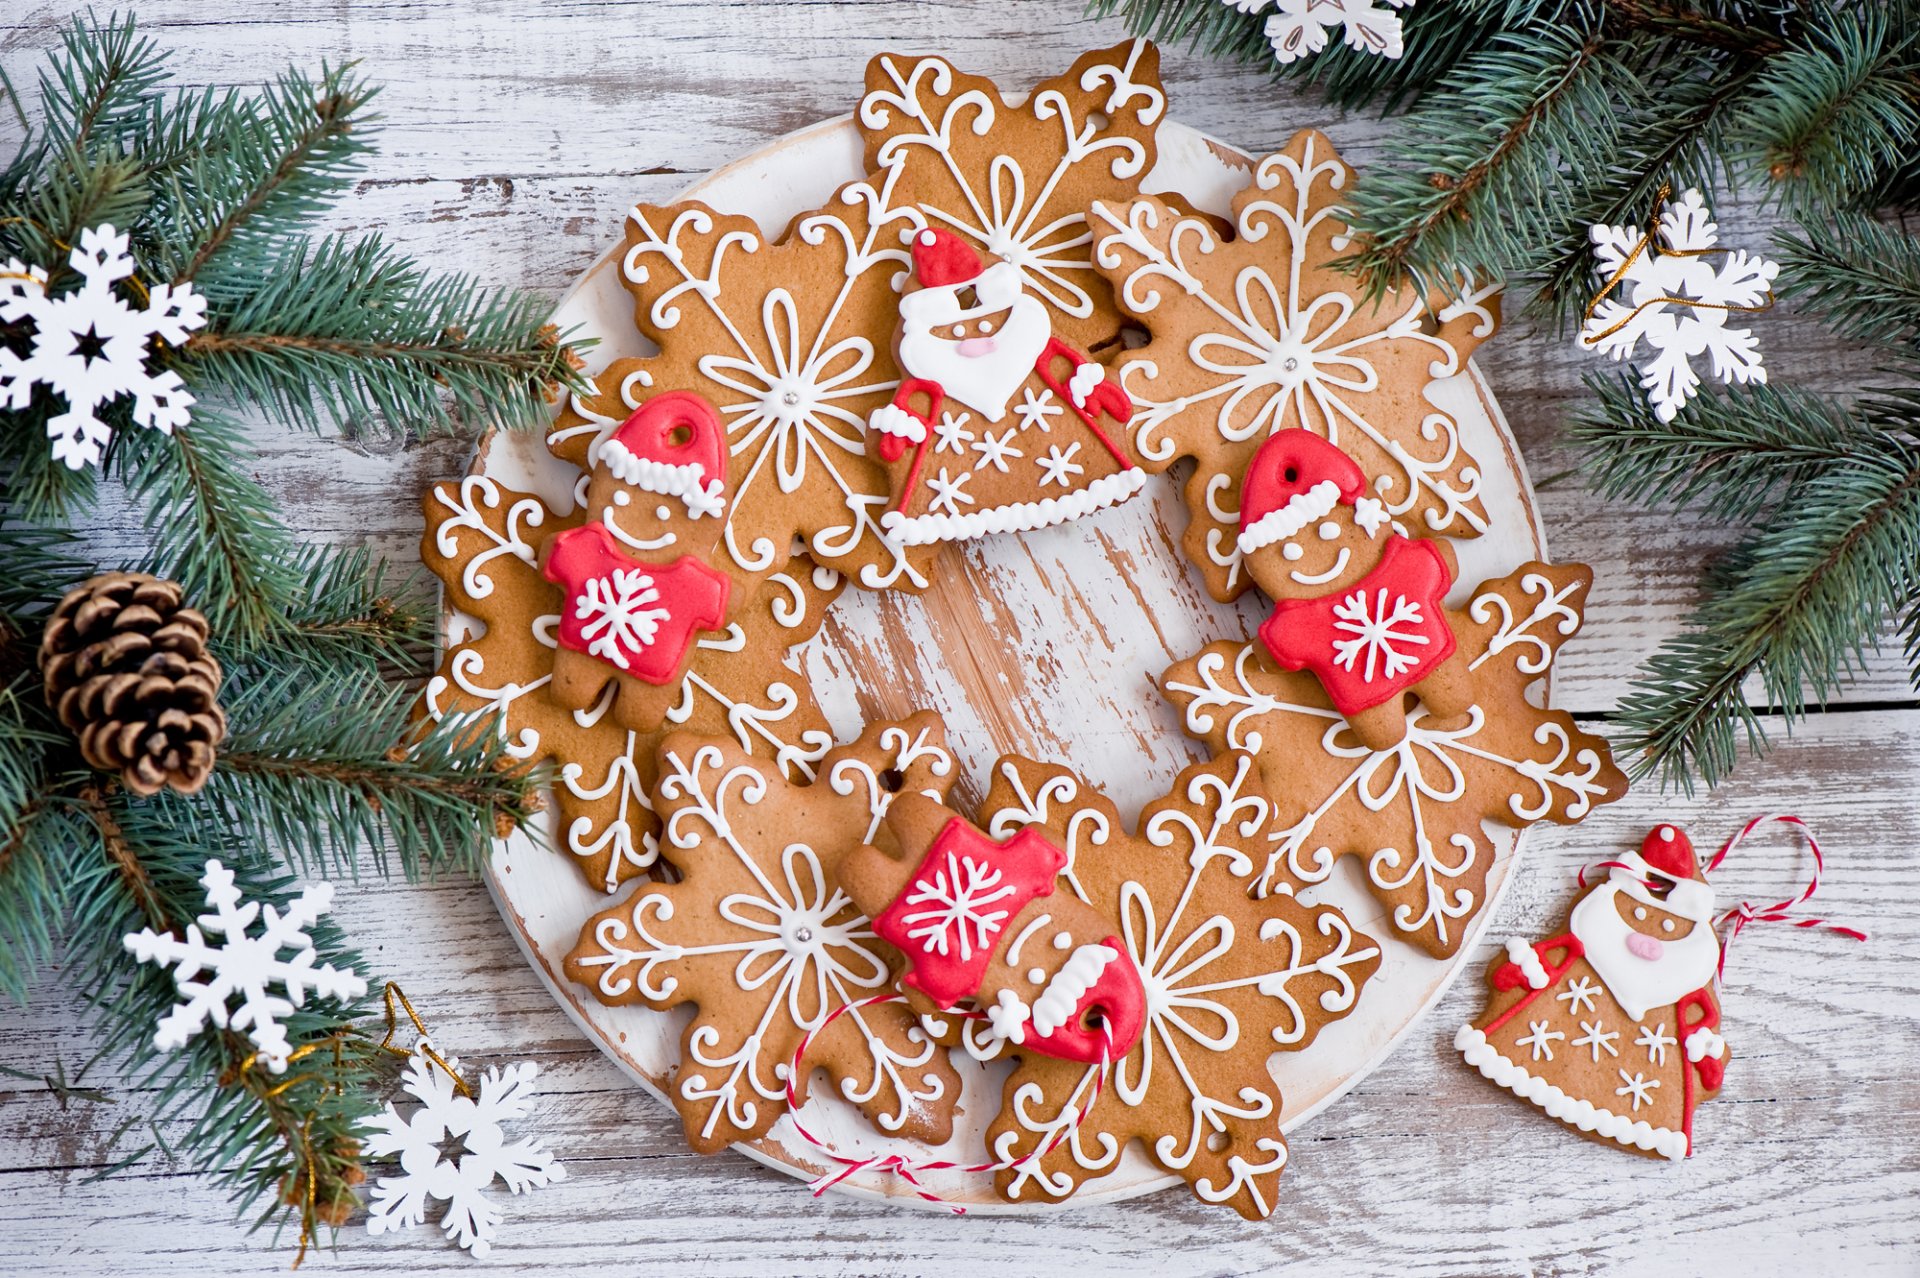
{"x": 998, "y": 425}
{"x": 1612, "y": 1026}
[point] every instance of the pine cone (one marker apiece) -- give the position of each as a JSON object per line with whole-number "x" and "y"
{"x": 127, "y": 670}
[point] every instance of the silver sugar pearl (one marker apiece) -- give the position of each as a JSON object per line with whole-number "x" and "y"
{"x": 1291, "y": 364}
{"x": 804, "y": 935}
{"x": 790, "y": 398}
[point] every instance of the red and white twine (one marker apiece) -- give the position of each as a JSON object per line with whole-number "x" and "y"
{"x": 910, "y": 1170}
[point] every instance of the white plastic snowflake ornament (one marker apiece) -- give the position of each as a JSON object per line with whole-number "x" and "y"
{"x": 1676, "y": 289}
{"x": 245, "y": 965}
{"x": 481, "y": 1151}
{"x": 1298, "y": 28}
{"x": 90, "y": 347}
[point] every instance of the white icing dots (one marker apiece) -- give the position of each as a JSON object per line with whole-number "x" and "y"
{"x": 1036, "y": 975}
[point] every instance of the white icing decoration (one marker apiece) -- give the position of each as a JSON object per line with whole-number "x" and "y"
{"x": 1371, "y": 515}
{"x": 1338, "y": 570}
{"x": 1518, "y": 951}
{"x": 1373, "y": 625}
{"x": 1656, "y": 1041}
{"x": 1703, "y": 1042}
{"x": 1301, "y": 509}
{"x": 1640, "y": 986}
{"x": 1020, "y": 937}
{"x": 1085, "y": 378}
{"x": 1060, "y": 1000}
{"x": 478, "y": 493}
{"x": 1540, "y": 1039}
{"x": 1639, "y": 1087}
{"x": 669, "y": 479}
{"x": 1598, "y": 1038}
{"x": 1063, "y": 941}
{"x": 891, "y": 419}
{"x": 1035, "y": 975}
{"x": 615, "y": 608}
{"x": 995, "y": 451}
{"x": 921, "y": 530}
{"x": 1007, "y": 1018}
{"x": 1034, "y": 409}
{"x": 1058, "y": 466}
{"x": 958, "y": 895}
{"x": 634, "y": 543}
{"x": 1582, "y": 1114}
{"x": 1579, "y": 996}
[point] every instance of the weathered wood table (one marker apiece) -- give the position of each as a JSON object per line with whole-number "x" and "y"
{"x": 516, "y": 135}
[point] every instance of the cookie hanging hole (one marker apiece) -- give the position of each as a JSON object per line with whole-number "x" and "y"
{"x": 892, "y": 779}
{"x": 680, "y": 436}
{"x": 1292, "y": 475}
{"x": 1099, "y": 120}
{"x": 1216, "y": 1141}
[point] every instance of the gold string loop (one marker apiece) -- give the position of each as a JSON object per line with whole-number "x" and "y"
{"x": 1646, "y": 245}
{"x": 394, "y": 994}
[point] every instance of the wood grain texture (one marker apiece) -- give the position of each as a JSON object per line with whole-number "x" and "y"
{"x": 516, "y": 134}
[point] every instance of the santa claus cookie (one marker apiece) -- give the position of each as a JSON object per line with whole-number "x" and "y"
{"x": 1612, "y": 1026}
{"x": 636, "y": 590}
{"x": 1356, "y": 602}
{"x": 963, "y": 457}
{"x": 978, "y": 920}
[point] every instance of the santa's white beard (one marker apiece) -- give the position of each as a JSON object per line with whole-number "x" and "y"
{"x": 983, "y": 383}
{"x": 1640, "y": 985}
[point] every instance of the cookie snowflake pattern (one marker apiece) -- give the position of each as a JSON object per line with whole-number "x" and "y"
{"x": 91, "y": 348}
{"x": 1639, "y": 953}
{"x": 1675, "y": 291}
{"x": 476, "y": 1126}
{"x": 1229, "y": 981}
{"x": 249, "y": 966}
{"x": 1013, "y": 181}
{"x": 1412, "y": 813}
{"x": 759, "y": 934}
{"x": 483, "y": 541}
{"x": 1259, "y": 333}
{"x": 1298, "y": 28}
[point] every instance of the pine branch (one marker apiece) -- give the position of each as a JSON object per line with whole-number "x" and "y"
{"x": 97, "y": 85}
{"x": 1862, "y": 276}
{"x": 1798, "y": 607}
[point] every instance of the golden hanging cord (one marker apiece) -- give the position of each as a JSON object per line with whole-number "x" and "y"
{"x": 1644, "y": 245}
{"x": 425, "y": 1043}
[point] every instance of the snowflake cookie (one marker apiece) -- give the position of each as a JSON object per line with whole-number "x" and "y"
{"x": 91, "y": 348}
{"x": 1412, "y": 813}
{"x": 758, "y": 932}
{"x": 1675, "y": 290}
{"x": 483, "y": 541}
{"x": 1259, "y": 332}
{"x": 1612, "y": 1025}
{"x": 250, "y": 966}
{"x": 475, "y": 1125}
{"x": 1229, "y": 980}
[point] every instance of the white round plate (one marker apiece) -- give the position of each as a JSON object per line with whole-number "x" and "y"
{"x": 1045, "y": 644}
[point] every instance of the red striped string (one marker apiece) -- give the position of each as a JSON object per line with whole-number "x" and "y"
{"x": 1780, "y": 911}
{"x": 910, "y": 1170}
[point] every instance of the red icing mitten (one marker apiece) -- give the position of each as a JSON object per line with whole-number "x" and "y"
{"x": 1356, "y": 604}
{"x": 998, "y": 425}
{"x": 637, "y": 589}
{"x": 1612, "y": 1026}
{"x": 979, "y": 920}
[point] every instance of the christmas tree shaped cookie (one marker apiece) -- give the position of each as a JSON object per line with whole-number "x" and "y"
{"x": 998, "y": 425}
{"x": 636, "y": 589}
{"x": 1612, "y": 1026}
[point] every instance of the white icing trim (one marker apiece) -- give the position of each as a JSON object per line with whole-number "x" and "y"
{"x": 922, "y": 530}
{"x": 1704, "y": 1042}
{"x": 1085, "y": 378}
{"x": 1585, "y": 1115}
{"x": 891, "y": 419}
{"x": 1061, "y": 999}
{"x": 1008, "y": 1018}
{"x": 1301, "y": 509}
{"x": 1529, "y": 960}
{"x": 682, "y": 481}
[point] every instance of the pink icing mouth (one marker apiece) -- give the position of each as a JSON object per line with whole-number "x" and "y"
{"x": 1644, "y": 947}
{"x": 975, "y": 347}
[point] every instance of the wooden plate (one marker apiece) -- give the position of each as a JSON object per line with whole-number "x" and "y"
{"x": 1044, "y": 644}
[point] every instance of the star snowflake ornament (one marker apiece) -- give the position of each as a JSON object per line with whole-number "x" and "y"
{"x": 1299, "y": 28}
{"x": 90, "y": 348}
{"x": 1676, "y": 290}
{"x": 245, "y": 965}
{"x": 481, "y": 1153}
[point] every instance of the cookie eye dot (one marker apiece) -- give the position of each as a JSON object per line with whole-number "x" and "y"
{"x": 1291, "y": 550}
{"x": 1036, "y": 975}
{"x": 662, "y": 512}
{"x": 622, "y": 498}
{"x": 1666, "y": 925}
{"x": 1329, "y": 530}
{"x": 986, "y": 326}
{"x": 1640, "y": 912}
{"x": 959, "y": 330}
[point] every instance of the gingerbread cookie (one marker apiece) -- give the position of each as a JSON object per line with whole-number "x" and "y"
{"x": 1260, "y": 332}
{"x": 481, "y": 541}
{"x": 759, "y": 934}
{"x": 1612, "y": 1026}
{"x": 978, "y": 920}
{"x": 1230, "y": 980}
{"x": 1412, "y": 813}
{"x": 636, "y": 590}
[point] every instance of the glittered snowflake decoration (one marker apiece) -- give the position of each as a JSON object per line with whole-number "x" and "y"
{"x": 90, "y": 347}
{"x": 245, "y": 965}
{"x": 1676, "y": 289}
{"x": 1299, "y": 28}
{"x": 481, "y": 1153}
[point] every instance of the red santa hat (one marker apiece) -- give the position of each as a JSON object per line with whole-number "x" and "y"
{"x": 1667, "y": 854}
{"x": 942, "y": 259}
{"x": 1296, "y": 478}
{"x": 675, "y": 445}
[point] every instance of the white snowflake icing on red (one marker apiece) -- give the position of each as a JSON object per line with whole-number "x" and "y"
{"x": 959, "y": 894}
{"x": 619, "y": 620}
{"x": 1377, "y": 627}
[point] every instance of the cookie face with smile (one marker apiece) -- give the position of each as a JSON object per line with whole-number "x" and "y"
{"x": 1322, "y": 557}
